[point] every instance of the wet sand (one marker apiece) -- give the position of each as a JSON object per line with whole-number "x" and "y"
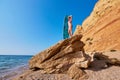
{"x": 13, "y": 73}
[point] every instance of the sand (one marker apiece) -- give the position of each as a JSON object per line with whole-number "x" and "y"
{"x": 13, "y": 72}
{"x": 94, "y": 73}
{"x": 111, "y": 73}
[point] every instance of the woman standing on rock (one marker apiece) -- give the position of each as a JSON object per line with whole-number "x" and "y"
{"x": 67, "y": 27}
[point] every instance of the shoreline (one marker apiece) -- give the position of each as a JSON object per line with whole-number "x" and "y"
{"x": 12, "y": 73}
{"x": 104, "y": 74}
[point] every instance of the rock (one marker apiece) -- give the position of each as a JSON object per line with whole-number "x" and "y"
{"x": 85, "y": 61}
{"x": 75, "y": 73}
{"x": 60, "y": 58}
{"x": 59, "y": 48}
{"x": 82, "y": 64}
{"x": 79, "y": 30}
{"x": 101, "y": 29}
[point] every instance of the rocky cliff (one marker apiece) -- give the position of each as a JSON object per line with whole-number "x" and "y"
{"x": 101, "y": 30}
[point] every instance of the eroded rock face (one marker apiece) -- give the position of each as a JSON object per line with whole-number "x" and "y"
{"x": 101, "y": 30}
{"x": 65, "y": 57}
{"x": 79, "y": 30}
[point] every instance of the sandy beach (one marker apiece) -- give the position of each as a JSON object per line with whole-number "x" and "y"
{"x": 110, "y": 73}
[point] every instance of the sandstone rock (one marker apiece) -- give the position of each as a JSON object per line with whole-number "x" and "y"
{"x": 75, "y": 72}
{"x": 85, "y": 61}
{"x": 62, "y": 49}
{"x": 101, "y": 9}
{"x": 61, "y": 57}
{"x": 82, "y": 64}
{"x": 79, "y": 30}
{"x": 101, "y": 29}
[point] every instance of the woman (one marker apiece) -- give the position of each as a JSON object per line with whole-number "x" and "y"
{"x": 67, "y": 27}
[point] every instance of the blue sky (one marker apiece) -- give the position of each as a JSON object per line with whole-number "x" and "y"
{"x": 30, "y": 26}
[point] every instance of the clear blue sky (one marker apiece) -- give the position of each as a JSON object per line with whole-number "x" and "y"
{"x": 29, "y": 26}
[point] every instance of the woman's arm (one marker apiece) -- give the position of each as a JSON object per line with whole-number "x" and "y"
{"x": 70, "y": 29}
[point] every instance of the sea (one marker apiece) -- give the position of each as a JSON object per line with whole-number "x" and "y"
{"x": 11, "y": 62}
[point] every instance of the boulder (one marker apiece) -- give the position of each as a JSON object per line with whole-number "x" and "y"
{"x": 76, "y": 73}
{"x": 79, "y": 30}
{"x": 65, "y": 57}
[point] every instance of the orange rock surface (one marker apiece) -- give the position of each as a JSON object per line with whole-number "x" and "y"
{"x": 101, "y": 30}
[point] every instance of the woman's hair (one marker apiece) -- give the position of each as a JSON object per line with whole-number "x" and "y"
{"x": 70, "y": 16}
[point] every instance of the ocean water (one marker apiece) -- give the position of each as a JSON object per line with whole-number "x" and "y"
{"x": 9, "y": 62}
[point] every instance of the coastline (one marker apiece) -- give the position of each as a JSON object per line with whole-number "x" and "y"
{"x": 22, "y": 72}
{"x": 12, "y": 73}
{"x": 104, "y": 74}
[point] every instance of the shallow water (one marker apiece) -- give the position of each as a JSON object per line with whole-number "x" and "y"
{"x": 9, "y": 62}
